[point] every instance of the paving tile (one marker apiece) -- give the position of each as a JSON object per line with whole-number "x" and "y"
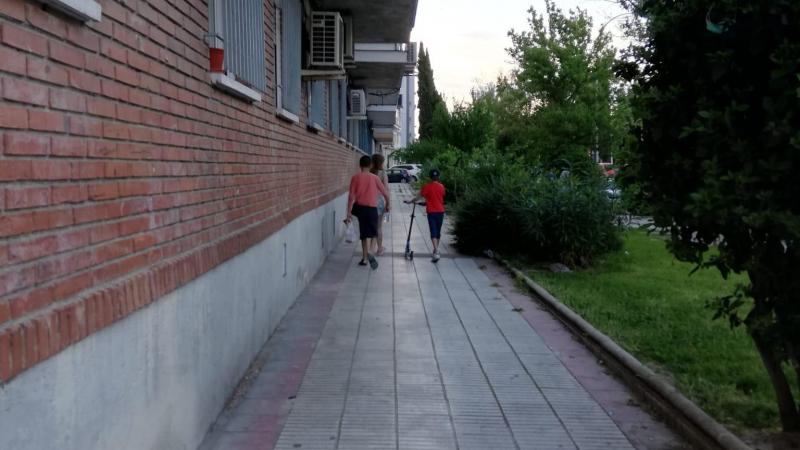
{"x": 238, "y": 441}
{"x": 426, "y": 432}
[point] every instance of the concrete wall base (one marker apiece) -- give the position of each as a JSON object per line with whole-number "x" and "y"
{"x": 159, "y": 378}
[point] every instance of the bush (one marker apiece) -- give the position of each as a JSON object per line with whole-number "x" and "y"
{"x": 512, "y": 210}
{"x": 459, "y": 170}
{"x": 501, "y": 204}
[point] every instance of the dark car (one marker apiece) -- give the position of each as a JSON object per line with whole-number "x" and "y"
{"x": 398, "y": 175}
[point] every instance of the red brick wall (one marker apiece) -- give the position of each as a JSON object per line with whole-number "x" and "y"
{"x": 124, "y": 174}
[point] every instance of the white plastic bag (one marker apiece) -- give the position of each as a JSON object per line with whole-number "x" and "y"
{"x": 350, "y": 232}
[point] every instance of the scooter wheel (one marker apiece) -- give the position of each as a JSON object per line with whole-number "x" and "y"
{"x": 411, "y": 256}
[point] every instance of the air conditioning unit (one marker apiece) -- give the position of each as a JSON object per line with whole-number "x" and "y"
{"x": 358, "y": 102}
{"x": 411, "y": 57}
{"x": 327, "y": 40}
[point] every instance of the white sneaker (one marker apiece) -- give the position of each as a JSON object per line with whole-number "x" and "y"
{"x": 436, "y": 257}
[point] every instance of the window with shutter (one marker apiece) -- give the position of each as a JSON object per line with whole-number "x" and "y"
{"x": 333, "y": 106}
{"x": 365, "y": 137}
{"x": 288, "y": 49}
{"x": 237, "y": 27}
{"x": 343, "y": 109}
{"x": 316, "y": 104}
{"x": 353, "y": 132}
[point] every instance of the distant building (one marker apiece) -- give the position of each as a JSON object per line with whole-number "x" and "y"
{"x": 405, "y": 128}
{"x": 408, "y": 111}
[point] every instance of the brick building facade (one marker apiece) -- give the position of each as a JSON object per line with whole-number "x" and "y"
{"x": 125, "y": 174}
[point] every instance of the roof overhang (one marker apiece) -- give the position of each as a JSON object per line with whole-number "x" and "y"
{"x": 383, "y": 116}
{"x": 386, "y": 21}
{"x": 382, "y": 66}
{"x": 384, "y": 135}
{"x": 382, "y": 54}
{"x": 377, "y": 76}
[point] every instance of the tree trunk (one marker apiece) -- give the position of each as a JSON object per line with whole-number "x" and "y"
{"x": 790, "y": 417}
{"x": 794, "y": 357}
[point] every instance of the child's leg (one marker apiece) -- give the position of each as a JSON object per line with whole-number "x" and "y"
{"x": 432, "y": 228}
{"x": 435, "y": 220}
{"x": 372, "y": 232}
{"x": 364, "y": 248}
{"x": 362, "y": 229}
{"x": 379, "y": 239}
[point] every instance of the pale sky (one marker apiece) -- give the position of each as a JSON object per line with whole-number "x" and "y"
{"x": 467, "y": 38}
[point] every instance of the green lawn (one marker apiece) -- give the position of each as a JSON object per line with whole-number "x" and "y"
{"x": 647, "y": 302}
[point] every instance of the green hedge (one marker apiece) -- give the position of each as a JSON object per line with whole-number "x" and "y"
{"x": 542, "y": 216}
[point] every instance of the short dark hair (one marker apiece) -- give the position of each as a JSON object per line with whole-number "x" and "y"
{"x": 365, "y": 161}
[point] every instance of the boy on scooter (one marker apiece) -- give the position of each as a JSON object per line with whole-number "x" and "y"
{"x": 433, "y": 193}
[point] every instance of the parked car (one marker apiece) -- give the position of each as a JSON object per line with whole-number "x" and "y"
{"x": 413, "y": 169}
{"x": 398, "y": 175}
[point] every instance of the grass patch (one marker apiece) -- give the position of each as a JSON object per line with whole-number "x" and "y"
{"x": 646, "y": 301}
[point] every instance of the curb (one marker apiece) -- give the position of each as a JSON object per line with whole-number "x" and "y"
{"x": 691, "y": 421}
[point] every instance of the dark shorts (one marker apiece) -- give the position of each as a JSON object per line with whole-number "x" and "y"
{"x": 367, "y": 220}
{"x": 435, "y": 221}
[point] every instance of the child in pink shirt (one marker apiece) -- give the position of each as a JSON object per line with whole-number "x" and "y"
{"x": 362, "y": 203}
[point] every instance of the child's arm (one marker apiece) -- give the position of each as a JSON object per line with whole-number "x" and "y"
{"x": 385, "y": 192}
{"x": 385, "y": 180}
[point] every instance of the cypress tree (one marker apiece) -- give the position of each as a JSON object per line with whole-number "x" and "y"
{"x": 428, "y": 96}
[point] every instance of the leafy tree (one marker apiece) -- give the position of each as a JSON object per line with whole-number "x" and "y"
{"x": 565, "y": 76}
{"x": 421, "y": 151}
{"x": 429, "y": 99}
{"x": 562, "y": 89}
{"x": 510, "y": 110}
{"x": 468, "y": 127}
{"x": 717, "y": 154}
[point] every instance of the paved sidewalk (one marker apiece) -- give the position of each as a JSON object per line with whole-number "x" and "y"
{"x": 411, "y": 356}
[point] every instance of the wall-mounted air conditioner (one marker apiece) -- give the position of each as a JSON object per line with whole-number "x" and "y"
{"x": 327, "y": 40}
{"x": 358, "y": 103}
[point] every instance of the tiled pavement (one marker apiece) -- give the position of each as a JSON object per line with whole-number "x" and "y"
{"x": 411, "y": 356}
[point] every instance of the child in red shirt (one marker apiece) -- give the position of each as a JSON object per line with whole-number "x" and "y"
{"x": 433, "y": 193}
{"x": 362, "y": 202}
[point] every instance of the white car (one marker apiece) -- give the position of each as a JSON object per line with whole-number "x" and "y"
{"x": 413, "y": 169}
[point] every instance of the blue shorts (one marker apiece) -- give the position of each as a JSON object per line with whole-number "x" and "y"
{"x": 381, "y": 205}
{"x": 435, "y": 221}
